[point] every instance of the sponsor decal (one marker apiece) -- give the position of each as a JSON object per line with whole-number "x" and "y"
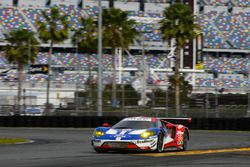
{"x": 111, "y": 132}
{"x": 179, "y": 132}
{"x": 180, "y": 126}
{"x": 138, "y": 119}
{"x": 118, "y": 138}
{"x": 153, "y": 144}
{"x": 121, "y": 134}
{"x": 180, "y": 142}
{"x": 137, "y": 132}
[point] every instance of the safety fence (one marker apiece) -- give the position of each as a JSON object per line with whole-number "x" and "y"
{"x": 72, "y": 100}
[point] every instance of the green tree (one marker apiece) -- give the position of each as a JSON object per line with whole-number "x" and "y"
{"x": 130, "y": 95}
{"x": 118, "y": 32}
{"x": 21, "y": 50}
{"x": 185, "y": 92}
{"x": 53, "y": 29}
{"x": 178, "y": 23}
{"x": 85, "y": 40}
{"x": 85, "y": 37}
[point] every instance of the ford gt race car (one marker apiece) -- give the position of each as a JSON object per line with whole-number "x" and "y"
{"x": 141, "y": 134}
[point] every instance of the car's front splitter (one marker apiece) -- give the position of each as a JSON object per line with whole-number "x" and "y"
{"x": 143, "y": 144}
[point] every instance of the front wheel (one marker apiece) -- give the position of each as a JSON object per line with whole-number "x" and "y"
{"x": 159, "y": 147}
{"x": 98, "y": 150}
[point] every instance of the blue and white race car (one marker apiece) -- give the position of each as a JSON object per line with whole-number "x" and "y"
{"x": 141, "y": 134}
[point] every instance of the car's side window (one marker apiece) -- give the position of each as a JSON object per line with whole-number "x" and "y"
{"x": 158, "y": 124}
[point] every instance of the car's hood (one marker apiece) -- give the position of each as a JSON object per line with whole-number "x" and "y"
{"x": 125, "y": 131}
{"x": 123, "y": 134}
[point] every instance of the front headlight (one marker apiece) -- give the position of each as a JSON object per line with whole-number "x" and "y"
{"x": 147, "y": 134}
{"x": 98, "y": 133}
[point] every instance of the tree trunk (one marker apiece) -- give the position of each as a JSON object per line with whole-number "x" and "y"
{"x": 19, "y": 91}
{"x": 113, "y": 79}
{"x": 177, "y": 82}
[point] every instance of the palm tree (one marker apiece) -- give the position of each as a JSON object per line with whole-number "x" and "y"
{"x": 85, "y": 40}
{"x": 118, "y": 32}
{"x": 86, "y": 36}
{"x": 53, "y": 29}
{"x": 178, "y": 24}
{"x": 21, "y": 50}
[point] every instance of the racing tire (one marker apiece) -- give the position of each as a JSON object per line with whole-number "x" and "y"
{"x": 185, "y": 142}
{"x": 100, "y": 150}
{"x": 159, "y": 147}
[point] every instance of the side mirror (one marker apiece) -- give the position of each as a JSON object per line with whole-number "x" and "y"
{"x": 169, "y": 125}
{"x": 106, "y": 125}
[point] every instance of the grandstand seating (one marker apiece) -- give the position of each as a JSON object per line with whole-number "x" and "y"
{"x": 225, "y": 63}
{"x": 204, "y": 80}
{"x": 217, "y": 2}
{"x": 231, "y": 24}
{"x": 92, "y": 11}
{"x": 222, "y": 30}
{"x": 207, "y": 80}
{"x": 149, "y": 27}
{"x": 212, "y": 38}
{"x": 1, "y": 37}
{"x": 74, "y": 15}
{"x": 3, "y": 62}
{"x": 10, "y": 18}
{"x": 241, "y": 3}
{"x": 147, "y": 1}
{"x": 231, "y": 71}
{"x": 33, "y": 14}
{"x": 66, "y": 59}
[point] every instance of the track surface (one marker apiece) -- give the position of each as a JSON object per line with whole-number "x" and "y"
{"x": 54, "y": 147}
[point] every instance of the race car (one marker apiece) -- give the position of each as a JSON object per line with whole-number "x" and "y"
{"x": 141, "y": 134}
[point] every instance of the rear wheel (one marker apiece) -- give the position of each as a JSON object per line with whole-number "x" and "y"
{"x": 185, "y": 142}
{"x": 159, "y": 147}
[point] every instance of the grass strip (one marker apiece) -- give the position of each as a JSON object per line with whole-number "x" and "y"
{"x": 12, "y": 140}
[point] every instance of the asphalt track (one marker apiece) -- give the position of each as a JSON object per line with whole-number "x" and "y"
{"x": 56, "y": 147}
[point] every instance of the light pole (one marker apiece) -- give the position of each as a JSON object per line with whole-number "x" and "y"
{"x": 216, "y": 103}
{"x": 166, "y": 114}
{"x": 216, "y": 94}
{"x": 144, "y": 66}
{"x": 78, "y": 77}
{"x": 100, "y": 83}
{"x": 215, "y": 75}
{"x": 248, "y": 90}
{"x": 47, "y": 109}
{"x": 90, "y": 85}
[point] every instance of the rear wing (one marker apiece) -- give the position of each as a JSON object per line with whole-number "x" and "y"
{"x": 183, "y": 121}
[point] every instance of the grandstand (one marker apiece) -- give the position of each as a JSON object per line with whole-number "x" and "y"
{"x": 223, "y": 53}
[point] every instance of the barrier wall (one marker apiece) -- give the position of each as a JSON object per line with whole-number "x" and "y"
{"x": 94, "y": 121}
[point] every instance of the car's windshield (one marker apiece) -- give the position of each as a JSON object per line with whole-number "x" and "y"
{"x": 127, "y": 124}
